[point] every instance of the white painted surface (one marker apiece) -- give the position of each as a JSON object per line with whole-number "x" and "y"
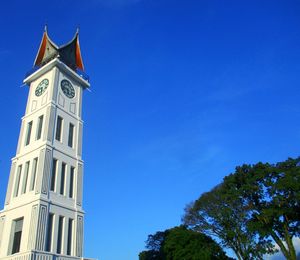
{"x": 35, "y": 205}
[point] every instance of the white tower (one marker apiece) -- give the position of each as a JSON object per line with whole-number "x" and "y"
{"x": 43, "y": 217}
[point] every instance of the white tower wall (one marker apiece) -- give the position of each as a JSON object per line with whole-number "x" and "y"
{"x": 33, "y": 194}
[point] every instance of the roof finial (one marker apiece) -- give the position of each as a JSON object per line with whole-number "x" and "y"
{"x": 46, "y": 27}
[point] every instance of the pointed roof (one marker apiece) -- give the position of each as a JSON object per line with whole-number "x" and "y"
{"x": 68, "y": 53}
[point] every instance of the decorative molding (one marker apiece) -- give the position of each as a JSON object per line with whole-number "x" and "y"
{"x": 52, "y": 147}
{"x": 33, "y": 228}
{"x": 33, "y": 105}
{"x": 73, "y": 108}
{"x": 60, "y": 65}
{"x": 54, "y": 105}
{"x": 44, "y": 99}
{"x": 41, "y": 228}
{"x": 51, "y": 123}
{"x": 79, "y": 184}
{"x": 79, "y": 236}
{"x": 39, "y": 176}
{"x": 79, "y": 140}
{"x": 46, "y": 123}
{"x": 55, "y": 85}
{"x": 10, "y": 182}
{"x": 46, "y": 171}
{"x": 80, "y": 102}
{"x": 61, "y": 100}
{"x": 21, "y": 136}
{"x": 2, "y": 223}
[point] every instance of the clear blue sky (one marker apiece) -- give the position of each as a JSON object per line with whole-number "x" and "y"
{"x": 182, "y": 92}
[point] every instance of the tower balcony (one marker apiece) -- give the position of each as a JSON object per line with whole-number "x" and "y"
{"x": 79, "y": 72}
{"x": 38, "y": 255}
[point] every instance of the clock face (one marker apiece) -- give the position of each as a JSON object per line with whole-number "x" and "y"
{"x": 67, "y": 88}
{"x": 41, "y": 88}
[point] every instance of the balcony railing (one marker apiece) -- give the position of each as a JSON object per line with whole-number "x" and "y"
{"x": 79, "y": 72}
{"x": 37, "y": 255}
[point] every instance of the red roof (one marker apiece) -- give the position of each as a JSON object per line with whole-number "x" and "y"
{"x": 69, "y": 53}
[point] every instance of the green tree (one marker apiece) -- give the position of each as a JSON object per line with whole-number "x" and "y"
{"x": 150, "y": 255}
{"x": 255, "y": 206}
{"x": 154, "y": 244}
{"x": 271, "y": 195}
{"x": 220, "y": 213}
{"x": 179, "y": 243}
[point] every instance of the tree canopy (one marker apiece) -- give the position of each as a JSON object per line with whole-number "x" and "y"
{"x": 271, "y": 193}
{"x": 220, "y": 213}
{"x": 256, "y": 205}
{"x": 179, "y": 243}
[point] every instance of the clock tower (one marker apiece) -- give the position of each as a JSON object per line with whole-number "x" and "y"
{"x": 43, "y": 216}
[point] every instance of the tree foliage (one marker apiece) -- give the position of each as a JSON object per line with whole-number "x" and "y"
{"x": 179, "y": 243}
{"x": 220, "y": 213}
{"x": 271, "y": 194}
{"x": 251, "y": 206}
